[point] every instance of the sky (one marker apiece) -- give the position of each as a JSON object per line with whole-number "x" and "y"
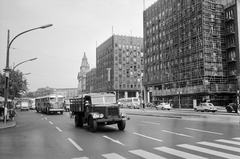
{"x": 78, "y": 26}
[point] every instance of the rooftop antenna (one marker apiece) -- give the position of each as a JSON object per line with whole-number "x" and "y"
{"x": 143, "y": 5}
{"x": 112, "y": 30}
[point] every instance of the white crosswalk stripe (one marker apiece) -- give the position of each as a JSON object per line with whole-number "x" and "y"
{"x": 179, "y": 153}
{"x": 146, "y": 155}
{"x": 230, "y": 148}
{"x": 229, "y": 142}
{"x": 113, "y": 156}
{"x": 237, "y": 138}
{"x": 208, "y": 151}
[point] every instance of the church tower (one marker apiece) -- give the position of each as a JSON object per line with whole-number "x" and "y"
{"x": 84, "y": 68}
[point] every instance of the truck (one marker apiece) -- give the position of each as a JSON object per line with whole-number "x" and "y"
{"x": 97, "y": 109}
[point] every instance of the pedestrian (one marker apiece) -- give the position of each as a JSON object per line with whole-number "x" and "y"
{"x": 12, "y": 114}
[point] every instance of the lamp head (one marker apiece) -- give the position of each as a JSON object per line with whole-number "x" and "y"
{"x": 45, "y": 26}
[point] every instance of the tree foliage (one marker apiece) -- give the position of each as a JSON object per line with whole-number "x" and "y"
{"x": 17, "y": 84}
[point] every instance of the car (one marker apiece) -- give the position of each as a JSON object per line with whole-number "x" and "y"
{"x": 205, "y": 107}
{"x": 24, "y": 106}
{"x": 232, "y": 107}
{"x": 164, "y": 106}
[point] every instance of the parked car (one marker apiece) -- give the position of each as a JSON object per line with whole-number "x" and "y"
{"x": 164, "y": 106}
{"x": 232, "y": 107}
{"x": 205, "y": 107}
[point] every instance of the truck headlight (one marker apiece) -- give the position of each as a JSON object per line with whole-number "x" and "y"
{"x": 123, "y": 115}
{"x": 95, "y": 116}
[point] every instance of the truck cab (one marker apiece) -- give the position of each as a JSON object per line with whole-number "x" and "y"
{"x": 97, "y": 109}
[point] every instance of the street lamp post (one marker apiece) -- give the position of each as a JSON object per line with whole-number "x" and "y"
{"x": 179, "y": 92}
{"x": 24, "y": 62}
{"x": 7, "y": 69}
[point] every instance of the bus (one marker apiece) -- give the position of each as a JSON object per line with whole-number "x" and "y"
{"x": 49, "y": 104}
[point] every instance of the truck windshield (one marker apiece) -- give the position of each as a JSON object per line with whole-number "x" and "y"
{"x": 103, "y": 100}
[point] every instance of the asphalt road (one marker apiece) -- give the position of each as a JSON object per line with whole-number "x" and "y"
{"x": 54, "y": 136}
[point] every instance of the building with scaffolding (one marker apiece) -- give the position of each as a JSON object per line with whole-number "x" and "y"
{"x": 186, "y": 53}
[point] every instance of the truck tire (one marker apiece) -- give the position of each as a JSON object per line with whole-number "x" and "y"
{"x": 229, "y": 110}
{"x": 78, "y": 120}
{"x": 121, "y": 125}
{"x": 92, "y": 124}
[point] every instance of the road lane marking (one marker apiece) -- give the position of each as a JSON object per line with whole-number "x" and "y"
{"x": 230, "y": 148}
{"x": 116, "y": 141}
{"x": 146, "y": 155}
{"x": 229, "y": 142}
{"x": 150, "y": 122}
{"x": 210, "y": 132}
{"x": 80, "y": 158}
{"x": 50, "y": 122}
{"x": 147, "y": 137}
{"x": 208, "y": 151}
{"x": 113, "y": 155}
{"x": 45, "y": 118}
{"x": 42, "y": 118}
{"x": 59, "y": 129}
{"x": 176, "y": 133}
{"x": 179, "y": 153}
{"x": 75, "y": 144}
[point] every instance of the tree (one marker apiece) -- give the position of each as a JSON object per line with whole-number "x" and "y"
{"x": 17, "y": 84}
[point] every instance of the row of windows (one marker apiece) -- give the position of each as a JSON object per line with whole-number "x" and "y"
{"x": 123, "y": 86}
{"x": 122, "y": 46}
{"x": 127, "y": 53}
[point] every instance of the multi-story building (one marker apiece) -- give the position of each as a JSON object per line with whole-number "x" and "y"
{"x": 91, "y": 81}
{"x": 185, "y": 56}
{"x": 66, "y": 92}
{"x": 84, "y": 68}
{"x": 119, "y": 66}
{"x": 232, "y": 30}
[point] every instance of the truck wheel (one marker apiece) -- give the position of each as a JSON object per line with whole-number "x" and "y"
{"x": 229, "y": 110}
{"x": 92, "y": 124}
{"x": 61, "y": 112}
{"x": 121, "y": 125}
{"x": 78, "y": 120}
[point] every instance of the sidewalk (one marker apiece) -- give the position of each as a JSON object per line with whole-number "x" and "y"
{"x": 9, "y": 124}
{"x": 186, "y": 114}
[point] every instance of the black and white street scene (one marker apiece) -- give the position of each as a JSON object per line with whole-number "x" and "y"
{"x": 120, "y": 79}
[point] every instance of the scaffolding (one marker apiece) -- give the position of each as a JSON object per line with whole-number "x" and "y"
{"x": 192, "y": 50}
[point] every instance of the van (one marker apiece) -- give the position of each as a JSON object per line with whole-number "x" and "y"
{"x": 24, "y": 106}
{"x": 131, "y": 102}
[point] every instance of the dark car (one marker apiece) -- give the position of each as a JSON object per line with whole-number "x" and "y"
{"x": 232, "y": 107}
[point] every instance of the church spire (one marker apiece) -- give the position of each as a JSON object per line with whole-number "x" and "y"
{"x": 84, "y": 63}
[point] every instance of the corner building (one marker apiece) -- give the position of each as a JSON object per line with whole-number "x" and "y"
{"x": 185, "y": 57}
{"x": 119, "y": 66}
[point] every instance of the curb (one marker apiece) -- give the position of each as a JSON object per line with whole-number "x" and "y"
{"x": 169, "y": 116}
{"x": 5, "y": 126}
